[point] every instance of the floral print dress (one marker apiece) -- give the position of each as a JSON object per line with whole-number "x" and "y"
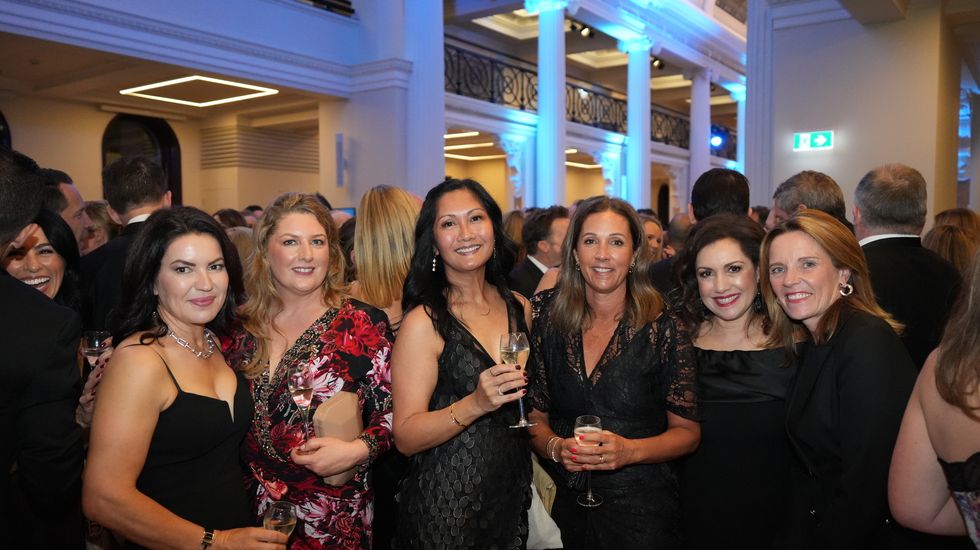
{"x": 350, "y": 349}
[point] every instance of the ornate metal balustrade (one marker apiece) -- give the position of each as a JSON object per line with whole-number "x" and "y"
{"x": 510, "y": 83}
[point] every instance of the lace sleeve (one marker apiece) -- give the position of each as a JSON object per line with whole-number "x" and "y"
{"x": 540, "y": 311}
{"x": 677, "y": 355}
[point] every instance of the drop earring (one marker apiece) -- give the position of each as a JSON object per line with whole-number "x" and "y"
{"x": 434, "y": 263}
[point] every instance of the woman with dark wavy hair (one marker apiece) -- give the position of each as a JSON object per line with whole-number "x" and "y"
{"x": 606, "y": 345}
{"x": 735, "y": 486}
{"x": 468, "y": 484}
{"x": 48, "y": 260}
{"x": 163, "y": 465}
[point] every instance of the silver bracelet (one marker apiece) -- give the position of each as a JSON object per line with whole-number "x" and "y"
{"x": 551, "y": 446}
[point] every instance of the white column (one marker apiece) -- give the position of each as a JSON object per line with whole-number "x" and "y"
{"x": 739, "y": 96}
{"x": 520, "y": 153}
{"x": 757, "y": 139}
{"x": 426, "y": 97}
{"x": 700, "y": 146}
{"x": 638, "y": 122}
{"x": 974, "y": 201}
{"x": 550, "y": 161}
{"x": 612, "y": 174}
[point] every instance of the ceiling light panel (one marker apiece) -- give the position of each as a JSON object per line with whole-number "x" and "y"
{"x": 199, "y": 91}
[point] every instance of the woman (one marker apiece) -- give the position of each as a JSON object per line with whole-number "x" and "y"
{"x": 383, "y": 245}
{"x": 605, "y": 346}
{"x": 299, "y": 316}
{"x": 48, "y": 260}
{"x": 163, "y": 468}
{"x": 654, "y": 233}
{"x": 468, "y": 484}
{"x": 513, "y": 226}
{"x": 953, "y": 244}
{"x": 934, "y": 483}
{"x": 851, "y": 387}
{"x": 735, "y": 486}
{"x": 229, "y": 217}
{"x": 964, "y": 218}
{"x": 101, "y": 229}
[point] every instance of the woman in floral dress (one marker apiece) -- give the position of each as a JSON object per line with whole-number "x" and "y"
{"x": 298, "y": 313}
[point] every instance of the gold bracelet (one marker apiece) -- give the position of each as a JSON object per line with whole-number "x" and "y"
{"x": 452, "y": 416}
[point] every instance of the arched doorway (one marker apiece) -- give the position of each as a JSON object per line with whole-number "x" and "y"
{"x": 132, "y": 135}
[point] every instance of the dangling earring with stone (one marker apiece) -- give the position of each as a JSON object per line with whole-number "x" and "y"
{"x": 434, "y": 259}
{"x": 757, "y": 301}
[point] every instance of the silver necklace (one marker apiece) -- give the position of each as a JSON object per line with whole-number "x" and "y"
{"x": 185, "y": 344}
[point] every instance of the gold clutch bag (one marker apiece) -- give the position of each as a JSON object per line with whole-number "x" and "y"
{"x": 339, "y": 417}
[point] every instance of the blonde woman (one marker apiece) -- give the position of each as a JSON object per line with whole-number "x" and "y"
{"x": 298, "y": 314}
{"x": 383, "y": 245}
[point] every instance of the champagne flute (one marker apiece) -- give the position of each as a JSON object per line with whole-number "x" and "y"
{"x": 515, "y": 349}
{"x": 94, "y": 342}
{"x": 281, "y": 517}
{"x": 588, "y": 424}
{"x": 300, "y": 381}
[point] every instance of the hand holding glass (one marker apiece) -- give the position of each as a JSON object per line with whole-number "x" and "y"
{"x": 281, "y": 517}
{"x": 94, "y": 342}
{"x": 300, "y": 380}
{"x": 588, "y": 424}
{"x": 514, "y": 349}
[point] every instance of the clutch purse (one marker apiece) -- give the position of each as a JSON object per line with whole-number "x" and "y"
{"x": 339, "y": 417}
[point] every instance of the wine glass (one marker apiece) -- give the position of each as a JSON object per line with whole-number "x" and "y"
{"x": 514, "y": 349}
{"x": 300, "y": 381}
{"x": 94, "y": 342}
{"x": 586, "y": 424}
{"x": 281, "y": 517}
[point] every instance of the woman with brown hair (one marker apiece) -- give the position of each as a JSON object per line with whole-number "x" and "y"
{"x": 953, "y": 244}
{"x": 298, "y": 316}
{"x": 851, "y": 386}
{"x": 606, "y": 346}
{"x": 934, "y": 484}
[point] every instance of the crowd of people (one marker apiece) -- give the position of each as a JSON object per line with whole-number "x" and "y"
{"x": 777, "y": 377}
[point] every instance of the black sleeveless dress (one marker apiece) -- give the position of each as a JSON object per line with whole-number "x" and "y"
{"x": 474, "y": 490}
{"x": 192, "y": 467}
{"x": 964, "y": 482}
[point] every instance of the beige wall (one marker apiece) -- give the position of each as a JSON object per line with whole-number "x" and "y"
{"x": 582, "y": 183}
{"x": 492, "y": 174}
{"x": 887, "y": 90}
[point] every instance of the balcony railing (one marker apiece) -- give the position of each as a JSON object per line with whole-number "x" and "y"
{"x": 512, "y": 84}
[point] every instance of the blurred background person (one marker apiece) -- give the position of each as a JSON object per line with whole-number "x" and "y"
{"x": 299, "y": 317}
{"x": 542, "y": 236}
{"x": 48, "y": 260}
{"x": 100, "y": 228}
{"x": 346, "y": 236}
{"x": 760, "y": 213}
{"x": 953, "y": 244}
{"x": 62, "y": 197}
{"x": 252, "y": 213}
{"x": 851, "y": 386}
{"x": 735, "y": 487}
{"x": 964, "y": 218}
{"x": 604, "y": 345}
{"x": 469, "y": 479}
{"x": 934, "y": 483}
{"x": 163, "y": 466}
{"x": 654, "y": 233}
{"x": 513, "y": 227}
{"x": 229, "y": 217}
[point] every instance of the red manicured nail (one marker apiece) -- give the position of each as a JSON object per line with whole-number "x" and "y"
{"x": 581, "y": 438}
{"x": 575, "y": 458}
{"x": 574, "y": 450}
{"x": 517, "y": 367}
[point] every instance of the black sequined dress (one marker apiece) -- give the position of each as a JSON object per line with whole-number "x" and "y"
{"x": 640, "y": 377}
{"x": 472, "y": 491}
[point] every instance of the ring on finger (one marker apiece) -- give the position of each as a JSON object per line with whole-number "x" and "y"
{"x": 602, "y": 459}
{"x": 499, "y": 392}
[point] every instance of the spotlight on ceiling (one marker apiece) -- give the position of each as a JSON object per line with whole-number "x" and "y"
{"x": 658, "y": 63}
{"x": 586, "y": 32}
{"x": 716, "y": 140}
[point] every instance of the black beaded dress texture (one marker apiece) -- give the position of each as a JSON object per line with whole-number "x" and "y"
{"x": 474, "y": 490}
{"x": 641, "y": 376}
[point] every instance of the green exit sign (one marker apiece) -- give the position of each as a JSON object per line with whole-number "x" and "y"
{"x": 813, "y": 141}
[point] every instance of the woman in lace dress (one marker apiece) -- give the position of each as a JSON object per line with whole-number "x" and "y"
{"x": 934, "y": 483}
{"x": 606, "y": 346}
{"x": 297, "y": 313}
{"x": 468, "y": 484}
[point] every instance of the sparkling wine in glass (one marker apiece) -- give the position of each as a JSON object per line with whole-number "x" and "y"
{"x": 94, "y": 342}
{"x": 300, "y": 381}
{"x": 588, "y": 424}
{"x": 514, "y": 349}
{"x": 281, "y": 517}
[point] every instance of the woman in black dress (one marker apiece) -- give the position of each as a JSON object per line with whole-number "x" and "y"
{"x": 606, "y": 346}
{"x": 163, "y": 468}
{"x": 735, "y": 487}
{"x": 468, "y": 484}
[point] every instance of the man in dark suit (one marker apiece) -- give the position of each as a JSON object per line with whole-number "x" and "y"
{"x": 807, "y": 189}
{"x": 717, "y": 191}
{"x": 135, "y": 187}
{"x": 911, "y": 282}
{"x": 543, "y": 233}
{"x": 40, "y": 443}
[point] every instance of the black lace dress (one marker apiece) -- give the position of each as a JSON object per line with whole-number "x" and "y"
{"x": 964, "y": 482}
{"x": 640, "y": 377}
{"x": 474, "y": 490}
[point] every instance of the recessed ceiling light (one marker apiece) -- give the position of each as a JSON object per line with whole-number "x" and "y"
{"x": 199, "y": 91}
{"x": 464, "y": 157}
{"x": 467, "y": 146}
{"x": 580, "y": 165}
{"x": 460, "y": 135}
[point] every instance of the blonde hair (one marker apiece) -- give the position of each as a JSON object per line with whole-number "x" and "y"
{"x": 845, "y": 253}
{"x": 384, "y": 242}
{"x": 571, "y": 311}
{"x": 263, "y": 299}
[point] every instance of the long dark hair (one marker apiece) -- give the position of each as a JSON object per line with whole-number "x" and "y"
{"x": 426, "y": 287}
{"x": 63, "y": 241}
{"x": 138, "y": 308}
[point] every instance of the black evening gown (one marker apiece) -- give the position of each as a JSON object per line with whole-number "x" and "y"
{"x": 474, "y": 490}
{"x": 964, "y": 482}
{"x": 640, "y": 377}
{"x": 735, "y": 487}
